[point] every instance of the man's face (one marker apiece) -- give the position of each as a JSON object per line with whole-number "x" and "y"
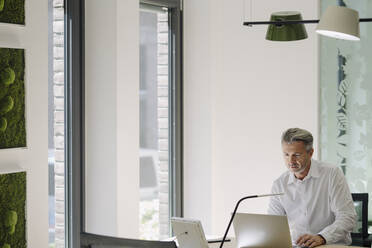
{"x": 296, "y": 157}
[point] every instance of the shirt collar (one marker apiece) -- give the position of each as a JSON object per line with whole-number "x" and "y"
{"x": 313, "y": 172}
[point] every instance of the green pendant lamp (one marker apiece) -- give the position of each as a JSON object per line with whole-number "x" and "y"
{"x": 286, "y": 32}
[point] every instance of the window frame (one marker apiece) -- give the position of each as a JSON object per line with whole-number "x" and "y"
{"x": 75, "y": 232}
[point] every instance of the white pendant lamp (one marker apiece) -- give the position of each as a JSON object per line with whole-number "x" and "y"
{"x": 339, "y": 22}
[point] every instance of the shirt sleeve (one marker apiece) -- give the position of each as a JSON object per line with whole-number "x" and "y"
{"x": 275, "y": 205}
{"x": 342, "y": 206}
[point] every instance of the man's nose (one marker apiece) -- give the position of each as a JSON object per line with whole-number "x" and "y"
{"x": 292, "y": 159}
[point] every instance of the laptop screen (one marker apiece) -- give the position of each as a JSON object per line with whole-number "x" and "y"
{"x": 189, "y": 233}
{"x": 259, "y": 230}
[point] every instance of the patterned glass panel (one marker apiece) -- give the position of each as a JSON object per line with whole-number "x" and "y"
{"x": 346, "y": 101}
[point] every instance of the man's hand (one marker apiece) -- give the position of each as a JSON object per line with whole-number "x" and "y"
{"x": 311, "y": 241}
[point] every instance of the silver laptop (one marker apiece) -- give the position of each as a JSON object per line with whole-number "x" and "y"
{"x": 259, "y": 230}
{"x": 189, "y": 233}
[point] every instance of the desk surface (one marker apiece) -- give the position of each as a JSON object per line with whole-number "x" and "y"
{"x": 336, "y": 246}
{"x": 233, "y": 245}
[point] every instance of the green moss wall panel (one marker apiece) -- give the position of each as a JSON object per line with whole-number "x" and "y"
{"x": 12, "y": 98}
{"x": 12, "y": 210}
{"x": 12, "y": 11}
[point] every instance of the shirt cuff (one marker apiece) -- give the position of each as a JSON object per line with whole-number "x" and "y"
{"x": 326, "y": 236}
{"x": 325, "y": 241}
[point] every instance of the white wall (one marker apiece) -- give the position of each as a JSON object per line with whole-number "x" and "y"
{"x": 34, "y": 159}
{"x": 100, "y": 107}
{"x": 240, "y": 93}
{"x": 198, "y": 107}
{"x": 112, "y": 117}
{"x": 128, "y": 128}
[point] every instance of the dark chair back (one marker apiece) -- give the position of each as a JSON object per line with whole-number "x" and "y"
{"x": 100, "y": 241}
{"x": 361, "y": 207}
{"x": 360, "y": 235}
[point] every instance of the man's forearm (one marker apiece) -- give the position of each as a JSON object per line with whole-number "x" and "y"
{"x": 335, "y": 232}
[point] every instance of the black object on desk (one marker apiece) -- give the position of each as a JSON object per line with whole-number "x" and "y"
{"x": 360, "y": 237}
{"x": 217, "y": 241}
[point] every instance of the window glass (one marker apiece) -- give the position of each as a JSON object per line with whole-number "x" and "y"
{"x": 56, "y": 124}
{"x": 154, "y": 125}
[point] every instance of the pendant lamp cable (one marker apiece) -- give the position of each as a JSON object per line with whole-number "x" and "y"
{"x": 250, "y": 11}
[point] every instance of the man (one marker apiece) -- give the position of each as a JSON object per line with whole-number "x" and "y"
{"x": 316, "y": 200}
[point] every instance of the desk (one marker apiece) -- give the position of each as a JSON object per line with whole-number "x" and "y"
{"x": 338, "y": 246}
{"x": 232, "y": 244}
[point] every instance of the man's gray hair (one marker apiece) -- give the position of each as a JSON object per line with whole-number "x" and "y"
{"x": 297, "y": 134}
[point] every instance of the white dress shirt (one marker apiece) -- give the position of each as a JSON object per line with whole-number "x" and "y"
{"x": 319, "y": 204}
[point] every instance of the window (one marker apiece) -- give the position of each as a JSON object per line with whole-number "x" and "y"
{"x": 56, "y": 126}
{"x": 154, "y": 124}
{"x": 124, "y": 149}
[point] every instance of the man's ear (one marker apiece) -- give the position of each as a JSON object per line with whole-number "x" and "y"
{"x": 311, "y": 152}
